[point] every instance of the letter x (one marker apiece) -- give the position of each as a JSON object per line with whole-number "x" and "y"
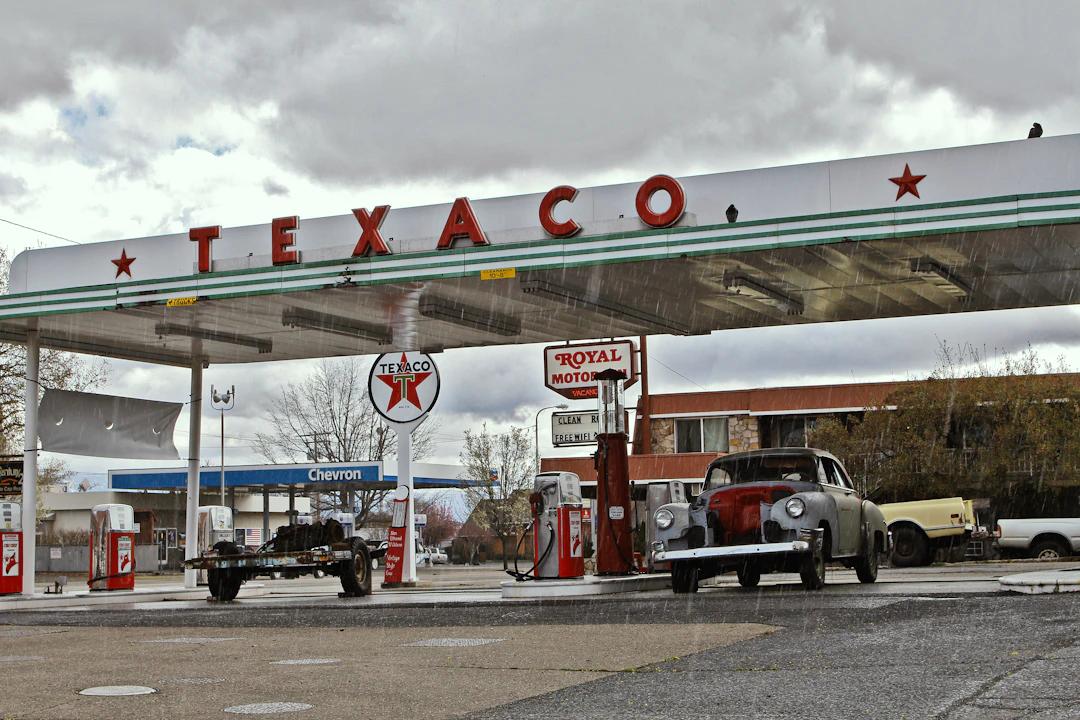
{"x": 371, "y": 238}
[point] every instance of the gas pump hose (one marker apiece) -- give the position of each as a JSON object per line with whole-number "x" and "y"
{"x": 530, "y": 573}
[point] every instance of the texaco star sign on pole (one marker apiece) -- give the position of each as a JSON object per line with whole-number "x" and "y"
{"x": 403, "y": 388}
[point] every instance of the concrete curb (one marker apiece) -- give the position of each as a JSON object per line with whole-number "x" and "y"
{"x": 1042, "y": 582}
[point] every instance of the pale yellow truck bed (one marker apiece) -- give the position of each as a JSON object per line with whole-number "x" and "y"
{"x": 920, "y": 527}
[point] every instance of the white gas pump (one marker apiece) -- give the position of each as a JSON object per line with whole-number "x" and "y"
{"x": 214, "y": 524}
{"x": 558, "y": 546}
{"x": 112, "y": 547}
{"x": 347, "y": 520}
{"x": 11, "y": 557}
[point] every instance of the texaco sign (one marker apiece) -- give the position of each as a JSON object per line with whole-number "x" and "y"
{"x": 403, "y": 386}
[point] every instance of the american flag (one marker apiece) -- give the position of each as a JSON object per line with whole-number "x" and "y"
{"x": 253, "y": 537}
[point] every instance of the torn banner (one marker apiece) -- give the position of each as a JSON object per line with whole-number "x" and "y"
{"x": 107, "y": 426}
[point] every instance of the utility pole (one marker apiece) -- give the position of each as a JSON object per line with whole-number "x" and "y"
{"x": 222, "y": 402}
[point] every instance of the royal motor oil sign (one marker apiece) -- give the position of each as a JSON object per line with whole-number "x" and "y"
{"x": 570, "y": 370}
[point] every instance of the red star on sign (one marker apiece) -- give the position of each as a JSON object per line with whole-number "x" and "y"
{"x": 123, "y": 263}
{"x": 907, "y": 183}
{"x": 403, "y": 385}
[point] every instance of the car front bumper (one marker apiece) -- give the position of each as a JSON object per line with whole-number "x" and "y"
{"x": 734, "y": 551}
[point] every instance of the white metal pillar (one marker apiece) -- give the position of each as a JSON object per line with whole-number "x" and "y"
{"x": 404, "y": 479}
{"x": 191, "y": 549}
{"x": 30, "y": 473}
{"x": 266, "y": 515}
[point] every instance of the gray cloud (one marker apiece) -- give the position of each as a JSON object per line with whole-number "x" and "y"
{"x": 271, "y": 187}
{"x": 11, "y": 186}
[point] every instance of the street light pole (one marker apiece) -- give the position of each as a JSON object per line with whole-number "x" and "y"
{"x": 222, "y": 402}
{"x": 536, "y": 429}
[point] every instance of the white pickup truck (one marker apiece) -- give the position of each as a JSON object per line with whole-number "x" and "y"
{"x": 1041, "y": 538}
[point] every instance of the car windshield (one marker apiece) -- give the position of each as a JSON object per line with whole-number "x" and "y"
{"x": 758, "y": 468}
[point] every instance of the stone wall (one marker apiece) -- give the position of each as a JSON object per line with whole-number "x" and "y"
{"x": 663, "y": 435}
{"x": 743, "y": 433}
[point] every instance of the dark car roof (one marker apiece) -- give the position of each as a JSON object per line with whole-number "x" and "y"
{"x": 775, "y": 452}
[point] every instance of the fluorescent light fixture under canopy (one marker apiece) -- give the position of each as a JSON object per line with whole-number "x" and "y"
{"x": 456, "y": 313}
{"x": 554, "y": 291}
{"x": 336, "y": 324}
{"x": 739, "y": 283}
{"x": 262, "y": 345}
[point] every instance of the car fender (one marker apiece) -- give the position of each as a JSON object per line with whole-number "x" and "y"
{"x": 674, "y": 537}
{"x": 820, "y": 512}
{"x": 874, "y": 519}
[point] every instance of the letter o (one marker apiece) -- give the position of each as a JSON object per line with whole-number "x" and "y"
{"x": 555, "y": 196}
{"x": 678, "y": 201}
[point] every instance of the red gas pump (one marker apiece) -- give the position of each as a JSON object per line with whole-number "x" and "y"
{"x": 558, "y": 547}
{"x": 614, "y": 544}
{"x": 112, "y": 547}
{"x": 10, "y": 548}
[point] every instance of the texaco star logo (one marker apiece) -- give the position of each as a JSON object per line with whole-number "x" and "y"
{"x": 403, "y": 386}
{"x": 907, "y": 183}
{"x": 123, "y": 263}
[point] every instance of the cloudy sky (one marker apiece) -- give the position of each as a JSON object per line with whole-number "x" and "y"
{"x": 128, "y": 119}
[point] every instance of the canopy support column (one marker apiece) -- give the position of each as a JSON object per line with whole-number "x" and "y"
{"x": 266, "y": 514}
{"x": 191, "y": 545}
{"x": 30, "y": 473}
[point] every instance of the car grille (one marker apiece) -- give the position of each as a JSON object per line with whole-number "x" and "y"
{"x": 772, "y": 531}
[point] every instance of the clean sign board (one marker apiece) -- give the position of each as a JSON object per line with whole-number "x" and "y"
{"x": 575, "y": 428}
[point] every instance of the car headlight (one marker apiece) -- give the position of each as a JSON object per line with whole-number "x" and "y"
{"x": 664, "y": 518}
{"x": 795, "y": 507}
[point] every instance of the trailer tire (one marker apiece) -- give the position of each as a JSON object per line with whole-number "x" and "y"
{"x": 355, "y": 573}
{"x": 225, "y": 583}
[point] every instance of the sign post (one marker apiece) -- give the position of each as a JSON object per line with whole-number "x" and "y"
{"x": 403, "y": 389}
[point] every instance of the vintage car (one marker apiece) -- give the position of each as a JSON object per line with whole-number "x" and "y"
{"x": 775, "y": 510}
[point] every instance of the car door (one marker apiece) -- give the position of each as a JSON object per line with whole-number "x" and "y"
{"x": 848, "y": 508}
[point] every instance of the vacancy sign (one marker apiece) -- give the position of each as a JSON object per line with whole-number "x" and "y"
{"x": 570, "y": 370}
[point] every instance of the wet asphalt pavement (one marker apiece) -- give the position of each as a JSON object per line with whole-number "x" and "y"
{"x": 841, "y": 653}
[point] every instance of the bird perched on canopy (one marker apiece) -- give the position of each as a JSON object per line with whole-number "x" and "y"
{"x": 1035, "y": 131}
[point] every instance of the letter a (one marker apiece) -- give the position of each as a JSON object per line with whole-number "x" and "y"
{"x": 461, "y": 224}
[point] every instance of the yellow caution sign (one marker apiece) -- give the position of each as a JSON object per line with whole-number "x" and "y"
{"x": 181, "y": 301}
{"x": 498, "y": 274}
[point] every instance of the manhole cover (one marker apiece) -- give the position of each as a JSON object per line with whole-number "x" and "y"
{"x": 190, "y": 640}
{"x": 270, "y": 708}
{"x": 20, "y": 658}
{"x": 307, "y": 661}
{"x": 118, "y": 690}
{"x": 453, "y": 642}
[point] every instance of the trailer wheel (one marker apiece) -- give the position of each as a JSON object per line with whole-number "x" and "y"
{"x": 225, "y": 583}
{"x": 356, "y": 572}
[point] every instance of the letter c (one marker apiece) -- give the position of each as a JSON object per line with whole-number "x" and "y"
{"x": 555, "y": 196}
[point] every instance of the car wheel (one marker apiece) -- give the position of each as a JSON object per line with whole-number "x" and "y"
{"x": 1048, "y": 550}
{"x": 684, "y": 578}
{"x": 866, "y": 567}
{"x": 749, "y": 575}
{"x": 374, "y": 563}
{"x": 910, "y": 547}
{"x": 812, "y": 571}
{"x": 225, "y": 582}
{"x": 355, "y": 573}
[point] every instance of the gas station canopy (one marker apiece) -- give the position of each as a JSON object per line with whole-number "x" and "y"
{"x": 972, "y": 228}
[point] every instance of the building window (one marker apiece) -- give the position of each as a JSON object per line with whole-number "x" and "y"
{"x": 791, "y": 430}
{"x": 701, "y": 435}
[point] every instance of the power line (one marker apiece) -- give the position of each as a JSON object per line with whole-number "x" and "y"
{"x": 653, "y": 357}
{"x": 27, "y": 227}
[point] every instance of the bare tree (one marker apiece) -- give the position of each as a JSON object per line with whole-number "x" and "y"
{"x": 498, "y": 468}
{"x": 328, "y": 417}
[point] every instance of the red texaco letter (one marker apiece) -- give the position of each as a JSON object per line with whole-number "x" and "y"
{"x": 547, "y": 206}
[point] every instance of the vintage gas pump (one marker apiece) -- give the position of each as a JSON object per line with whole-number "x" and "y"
{"x": 557, "y": 542}
{"x": 614, "y": 545}
{"x": 11, "y": 545}
{"x": 213, "y": 524}
{"x": 112, "y": 547}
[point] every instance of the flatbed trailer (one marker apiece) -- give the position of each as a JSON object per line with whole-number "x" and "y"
{"x": 228, "y": 567}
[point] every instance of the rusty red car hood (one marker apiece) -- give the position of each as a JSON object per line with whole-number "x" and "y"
{"x": 736, "y": 509}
